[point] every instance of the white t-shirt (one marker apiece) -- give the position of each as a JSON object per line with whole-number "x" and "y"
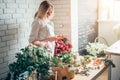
{"x": 42, "y": 29}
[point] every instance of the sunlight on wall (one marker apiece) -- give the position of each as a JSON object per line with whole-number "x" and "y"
{"x": 116, "y": 30}
{"x": 74, "y": 24}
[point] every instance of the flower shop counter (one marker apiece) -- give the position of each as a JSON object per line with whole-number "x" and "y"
{"x": 94, "y": 74}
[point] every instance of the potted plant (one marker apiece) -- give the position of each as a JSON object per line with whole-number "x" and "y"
{"x": 62, "y": 65}
{"x": 32, "y": 62}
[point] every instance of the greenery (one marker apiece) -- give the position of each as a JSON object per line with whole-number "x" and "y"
{"x": 66, "y": 57}
{"x": 56, "y": 62}
{"x": 30, "y": 59}
{"x": 61, "y": 59}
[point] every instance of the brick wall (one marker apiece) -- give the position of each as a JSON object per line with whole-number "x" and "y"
{"x": 62, "y": 17}
{"x": 16, "y": 17}
{"x": 87, "y": 17}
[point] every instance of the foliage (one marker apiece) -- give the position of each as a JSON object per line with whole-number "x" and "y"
{"x": 29, "y": 59}
{"x": 56, "y": 62}
{"x": 66, "y": 57}
{"x": 96, "y": 49}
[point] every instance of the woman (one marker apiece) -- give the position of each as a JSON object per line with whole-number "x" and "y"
{"x": 42, "y": 32}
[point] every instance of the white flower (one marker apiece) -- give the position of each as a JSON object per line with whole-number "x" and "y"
{"x": 95, "y": 48}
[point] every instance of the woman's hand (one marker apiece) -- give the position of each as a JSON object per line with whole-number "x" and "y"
{"x": 61, "y": 37}
{"x": 54, "y": 38}
{"x": 38, "y": 43}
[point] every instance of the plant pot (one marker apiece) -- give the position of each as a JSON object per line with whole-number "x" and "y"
{"x": 61, "y": 73}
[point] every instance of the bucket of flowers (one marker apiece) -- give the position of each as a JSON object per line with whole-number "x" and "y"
{"x": 62, "y": 45}
{"x": 64, "y": 58}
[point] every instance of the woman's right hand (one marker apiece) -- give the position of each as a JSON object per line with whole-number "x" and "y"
{"x": 61, "y": 37}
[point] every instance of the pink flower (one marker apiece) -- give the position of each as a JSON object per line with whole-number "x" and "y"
{"x": 61, "y": 45}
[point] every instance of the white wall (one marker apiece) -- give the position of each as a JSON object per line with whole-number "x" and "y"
{"x": 105, "y": 30}
{"x": 74, "y": 24}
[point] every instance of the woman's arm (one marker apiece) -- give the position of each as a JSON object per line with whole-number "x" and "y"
{"x": 44, "y": 41}
{"x": 54, "y": 38}
{"x": 34, "y": 32}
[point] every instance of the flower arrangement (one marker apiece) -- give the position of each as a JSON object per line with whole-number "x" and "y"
{"x": 62, "y": 65}
{"x": 96, "y": 49}
{"x": 61, "y": 45}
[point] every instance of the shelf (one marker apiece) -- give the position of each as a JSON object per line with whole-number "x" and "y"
{"x": 114, "y": 49}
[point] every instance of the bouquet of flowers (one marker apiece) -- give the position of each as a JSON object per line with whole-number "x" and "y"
{"x": 61, "y": 45}
{"x": 96, "y": 49}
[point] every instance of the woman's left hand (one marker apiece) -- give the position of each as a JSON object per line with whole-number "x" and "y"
{"x": 38, "y": 43}
{"x": 42, "y": 43}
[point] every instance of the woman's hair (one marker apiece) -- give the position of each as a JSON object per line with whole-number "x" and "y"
{"x": 43, "y": 8}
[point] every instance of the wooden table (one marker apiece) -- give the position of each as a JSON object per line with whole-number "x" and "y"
{"x": 112, "y": 50}
{"x": 93, "y": 74}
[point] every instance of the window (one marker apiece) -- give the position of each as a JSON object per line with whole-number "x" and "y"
{"x": 109, "y": 10}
